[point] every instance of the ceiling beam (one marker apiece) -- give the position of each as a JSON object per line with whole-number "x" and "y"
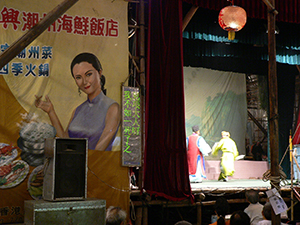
{"x": 189, "y": 16}
{"x": 14, "y": 49}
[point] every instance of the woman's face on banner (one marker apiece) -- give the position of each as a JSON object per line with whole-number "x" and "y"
{"x": 87, "y": 78}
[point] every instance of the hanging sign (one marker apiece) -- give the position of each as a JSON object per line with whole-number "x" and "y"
{"x": 276, "y": 201}
{"x": 131, "y": 127}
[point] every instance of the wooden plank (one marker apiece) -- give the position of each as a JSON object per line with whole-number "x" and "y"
{"x": 199, "y": 214}
{"x": 14, "y": 49}
{"x": 270, "y": 7}
{"x": 189, "y": 16}
{"x": 139, "y": 216}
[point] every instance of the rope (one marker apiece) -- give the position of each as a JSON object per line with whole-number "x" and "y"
{"x": 275, "y": 179}
{"x": 132, "y": 213}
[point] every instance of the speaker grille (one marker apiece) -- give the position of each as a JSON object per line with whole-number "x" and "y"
{"x": 70, "y": 168}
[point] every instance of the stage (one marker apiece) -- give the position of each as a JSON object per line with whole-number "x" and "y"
{"x": 244, "y": 169}
{"x": 248, "y": 175}
{"x": 158, "y": 210}
{"x": 238, "y": 184}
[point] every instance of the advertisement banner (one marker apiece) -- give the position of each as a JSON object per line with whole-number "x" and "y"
{"x": 42, "y": 71}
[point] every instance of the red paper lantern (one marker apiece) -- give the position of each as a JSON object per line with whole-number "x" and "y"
{"x": 232, "y": 19}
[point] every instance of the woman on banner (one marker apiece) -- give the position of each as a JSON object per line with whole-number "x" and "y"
{"x": 230, "y": 152}
{"x": 97, "y": 118}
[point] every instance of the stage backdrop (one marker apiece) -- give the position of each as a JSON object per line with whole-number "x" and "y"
{"x": 216, "y": 101}
{"x": 43, "y": 68}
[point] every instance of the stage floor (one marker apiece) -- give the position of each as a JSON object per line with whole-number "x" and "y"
{"x": 234, "y": 185}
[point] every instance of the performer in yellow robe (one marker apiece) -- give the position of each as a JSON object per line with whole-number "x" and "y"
{"x": 230, "y": 152}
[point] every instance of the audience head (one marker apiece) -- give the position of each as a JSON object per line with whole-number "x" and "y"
{"x": 267, "y": 211}
{"x": 115, "y": 216}
{"x": 221, "y": 208}
{"x": 239, "y": 218}
{"x": 252, "y": 196}
{"x": 183, "y": 222}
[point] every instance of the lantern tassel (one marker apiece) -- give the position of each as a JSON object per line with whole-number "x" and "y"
{"x": 231, "y": 35}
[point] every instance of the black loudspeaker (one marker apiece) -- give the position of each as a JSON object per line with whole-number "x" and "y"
{"x": 65, "y": 169}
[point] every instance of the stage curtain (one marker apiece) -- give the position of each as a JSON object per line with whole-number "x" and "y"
{"x": 288, "y": 11}
{"x": 165, "y": 169}
{"x": 204, "y": 37}
{"x": 286, "y": 99}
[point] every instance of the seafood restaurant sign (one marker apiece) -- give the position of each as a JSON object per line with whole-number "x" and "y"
{"x": 43, "y": 68}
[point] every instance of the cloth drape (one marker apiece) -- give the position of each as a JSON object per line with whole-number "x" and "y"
{"x": 165, "y": 163}
{"x": 288, "y": 11}
{"x": 296, "y": 139}
{"x": 286, "y": 98}
{"x": 205, "y": 37}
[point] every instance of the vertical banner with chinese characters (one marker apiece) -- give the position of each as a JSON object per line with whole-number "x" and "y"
{"x": 43, "y": 69}
{"x": 131, "y": 127}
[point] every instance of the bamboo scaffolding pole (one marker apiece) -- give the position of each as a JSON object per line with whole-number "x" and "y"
{"x": 187, "y": 203}
{"x": 258, "y": 125}
{"x": 292, "y": 176}
{"x": 134, "y": 63}
{"x": 14, "y": 49}
{"x": 199, "y": 214}
{"x": 298, "y": 68}
{"x": 189, "y": 16}
{"x": 270, "y": 7}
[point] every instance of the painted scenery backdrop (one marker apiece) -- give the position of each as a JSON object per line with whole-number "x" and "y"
{"x": 216, "y": 101}
{"x": 43, "y": 68}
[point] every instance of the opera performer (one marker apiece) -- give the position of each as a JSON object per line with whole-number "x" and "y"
{"x": 197, "y": 148}
{"x": 230, "y": 152}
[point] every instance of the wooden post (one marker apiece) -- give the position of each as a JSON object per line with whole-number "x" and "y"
{"x": 273, "y": 107}
{"x": 199, "y": 213}
{"x": 142, "y": 84}
{"x": 145, "y": 215}
{"x": 14, "y": 49}
{"x": 139, "y": 215}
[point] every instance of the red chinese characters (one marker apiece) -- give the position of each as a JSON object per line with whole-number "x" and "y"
{"x": 79, "y": 25}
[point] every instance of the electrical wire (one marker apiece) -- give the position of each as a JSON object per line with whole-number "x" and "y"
{"x": 118, "y": 189}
